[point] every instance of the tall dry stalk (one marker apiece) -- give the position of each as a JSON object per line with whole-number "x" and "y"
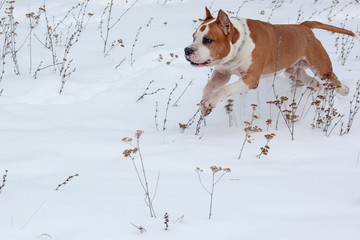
{"x": 214, "y": 181}
{"x": 141, "y": 174}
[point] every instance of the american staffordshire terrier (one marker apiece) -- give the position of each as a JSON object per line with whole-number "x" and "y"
{"x": 251, "y": 48}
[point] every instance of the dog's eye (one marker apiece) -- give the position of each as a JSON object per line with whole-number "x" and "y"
{"x": 207, "y": 40}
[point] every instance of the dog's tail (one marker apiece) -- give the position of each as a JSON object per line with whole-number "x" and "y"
{"x": 319, "y": 25}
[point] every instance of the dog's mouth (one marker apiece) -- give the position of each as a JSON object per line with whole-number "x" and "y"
{"x": 207, "y": 63}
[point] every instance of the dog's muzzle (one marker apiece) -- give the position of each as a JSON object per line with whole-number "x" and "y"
{"x": 188, "y": 52}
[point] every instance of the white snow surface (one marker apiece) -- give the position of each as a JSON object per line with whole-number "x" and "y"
{"x": 304, "y": 189}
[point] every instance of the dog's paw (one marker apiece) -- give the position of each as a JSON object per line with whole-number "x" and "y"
{"x": 208, "y": 103}
{"x": 343, "y": 90}
{"x": 205, "y": 111}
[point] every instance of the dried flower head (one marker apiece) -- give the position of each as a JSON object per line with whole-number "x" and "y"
{"x": 127, "y": 139}
{"x": 215, "y": 169}
{"x": 229, "y": 106}
{"x": 269, "y": 136}
{"x": 138, "y": 133}
{"x": 199, "y": 170}
{"x": 129, "y": 152}
{"x": 183, "y": 125}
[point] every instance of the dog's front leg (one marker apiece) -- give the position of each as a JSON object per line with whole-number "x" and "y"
{"x": 217, "y": 80}
{"x": 243, "y": 85}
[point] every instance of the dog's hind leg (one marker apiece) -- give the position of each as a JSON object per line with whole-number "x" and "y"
{"x": 320, "y": 64}
{"x": 299, "y": 76}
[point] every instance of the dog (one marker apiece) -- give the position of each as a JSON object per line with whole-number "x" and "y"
{"x": 251, "y": 49}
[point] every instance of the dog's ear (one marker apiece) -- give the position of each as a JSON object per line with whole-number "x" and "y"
{"x": 208, "y": 14}
{"x": 224, "y": 22}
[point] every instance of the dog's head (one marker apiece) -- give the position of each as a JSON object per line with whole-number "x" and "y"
{"x": 212, "y": 40}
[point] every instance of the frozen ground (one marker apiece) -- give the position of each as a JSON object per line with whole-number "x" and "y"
{"x": 306, "y": 189}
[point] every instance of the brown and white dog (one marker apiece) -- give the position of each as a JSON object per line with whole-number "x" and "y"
{"x": 251, "y": 48}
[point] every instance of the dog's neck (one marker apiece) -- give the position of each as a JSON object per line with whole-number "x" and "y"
{"x": 242, "y": 44}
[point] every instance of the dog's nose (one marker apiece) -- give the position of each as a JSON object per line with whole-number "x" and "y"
{"x": 188, "y": 51}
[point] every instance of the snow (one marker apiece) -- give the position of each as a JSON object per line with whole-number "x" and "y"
{"x": 306, "y": 188}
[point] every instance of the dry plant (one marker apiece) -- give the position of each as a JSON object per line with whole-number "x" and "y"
{"x": 268, "y": 123}
{"x": 173, "y": 56}
{"x": 175, "y": 104}
{"x": 74, "y": 20}
{"x": 33, "y": 21}
{"x": 166, "y": 221}
{"x": 156, "y": 114}
{"x": 3, "y": 180}
{"x": 142, "y": 176}
{"x": 214, "y": 181}
{"x": 287, "y": 111}
{"x": 354, "y": 109}
{"x": 132, "y": 60}
{"x": 276, "y": 4}
{"x": 167, "y": 106}
{"x": 347, "y": 44}
{"x": 331, "y": 9}
{"x": 145, "y": 93}
{"x": 66, "y": 181}
{"x": 160, "y": 58}
{"x": 229, "y": 111}
{"x": 121, "y": 62}
{"x": 332, "y": 12}
{"x": 184, "y": 126}
{"x": 300, "y": 18}
{"x": 242, "y": 4}
{"x": 106, "y": 24}
{"x": 250, "y": 128}
{"x": 198, "y": 125}
{"x": 140, "y": 228}
{"x": 179, "y": 219}
{"x": 265, "y": 149}
{"x": 12, "y": 26}
{"x": 325, "y": 112}
{"x": 8, "y": 36}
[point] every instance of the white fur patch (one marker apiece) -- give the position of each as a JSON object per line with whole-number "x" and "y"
{"x": 238, "y": 87}
{"x": 239, "y": 61}
{"x": 201, "y": 53}
{"x": 233, "y": 88}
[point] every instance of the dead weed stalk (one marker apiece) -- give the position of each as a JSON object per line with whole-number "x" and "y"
{"x": 142, "y": 176}
{"x": 66, "y": 181}
{"x": 214, "y": 181}
{"x": 250, "y": 128}
{"x": 3, "y": 180}
{"x": 354, "y": 109}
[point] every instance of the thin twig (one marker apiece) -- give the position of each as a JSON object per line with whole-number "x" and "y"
{"x": 175, "y": 104}
{"x": 3, "y": 180}
{"x": 156, "y": 187}
{"x": 156, "y": 114}
{"x": 141, "y": 229}
{"x": 31, "y": 217}
{"x": 66, "y": 181}
{"x": 133, "y": 47}
{"x": 167, "y": 106}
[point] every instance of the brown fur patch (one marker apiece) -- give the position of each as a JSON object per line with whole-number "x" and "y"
{"x": 202, "y": 28}
{"x": 235, "y": 35}
{"x": 220, "y": 48}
